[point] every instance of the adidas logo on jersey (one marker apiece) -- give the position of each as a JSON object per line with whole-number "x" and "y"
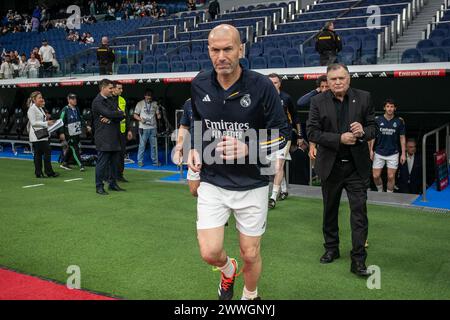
{"x": 206, "y": 99}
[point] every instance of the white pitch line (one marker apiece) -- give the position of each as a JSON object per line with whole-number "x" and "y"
{"x": 77, "y": 179}
{"x": 33, "y": 186}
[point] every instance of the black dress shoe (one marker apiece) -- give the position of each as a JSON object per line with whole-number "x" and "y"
{"x": 54, "y": 175}
{"x": 329, "y": 256}
{"x": 115, "y": 188}
{"x": 360, "y": 269}
{"x": 122, "y": 179}
{"x": 102, "y": 192}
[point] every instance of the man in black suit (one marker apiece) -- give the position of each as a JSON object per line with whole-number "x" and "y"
{"x": 409, "y": 178}
{"x": 341, "y": 121}
{"x": 106, "y": 118}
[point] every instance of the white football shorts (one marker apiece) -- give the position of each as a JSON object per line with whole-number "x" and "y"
{"x": 215, "y": 204}
{"x": 380, "y": 161}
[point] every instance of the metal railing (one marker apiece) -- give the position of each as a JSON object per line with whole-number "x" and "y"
{"x": 424, "y": 145}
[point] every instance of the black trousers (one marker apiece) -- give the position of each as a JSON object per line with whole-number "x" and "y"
{"x": 73, "y": 152}
{"x": 344, "y": 176}
{"x": 42, "y": 150}
{"x": 327, "y": 58}
{"x": 47, "y": 69}
{"x": 105, "y": 69}
{"x": 106, "y": 168}
{"x": 123, "y": 152}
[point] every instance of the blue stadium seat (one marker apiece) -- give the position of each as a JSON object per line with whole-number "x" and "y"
{"x": 135, "y": 68}
{"x": 434, "y": 55}
{"x": 177, "y": 66}
{"x": 245, "y": 63}
{"x": 162, "y": 67}
{"x": 148, "y": 68}
{"x": 411, "y": 56}
{"x": 206, "y": 65}
{"x": 424, "y": 44}
{"x": 122, "y": 69}
{"x": 192, "y": 65}
{"x": 312, "y": 60}
{"x": 276, "y": 62}
{"x": 294, "y": 61}
{"x": 369, "y": 59}
{"x": 175, "y": 58}
{"x": 258, "y": 63}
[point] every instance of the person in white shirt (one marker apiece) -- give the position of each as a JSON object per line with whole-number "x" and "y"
{"x": 23, "y": 66}
{"x": 33, "y": 66}
{"x": 47, "y": 54}
{"x": 89, "y": 39}
{"x": 7, "y": 69}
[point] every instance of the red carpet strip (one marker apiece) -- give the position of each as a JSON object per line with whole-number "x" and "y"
{"x": 17, "y": 286}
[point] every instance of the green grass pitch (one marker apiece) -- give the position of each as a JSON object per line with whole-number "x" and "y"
{"x": 141, "y": 244}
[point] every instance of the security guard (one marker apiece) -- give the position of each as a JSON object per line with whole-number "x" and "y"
{"x": 105, "y": 57}
{"x": 125, "y": 132}
{"x": 328, "y": 44}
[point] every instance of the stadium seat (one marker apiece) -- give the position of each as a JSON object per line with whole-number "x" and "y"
{"x": 177, "y": 66}
{"x": 245, "y": 63}
{"x": 295, "y": 61}
{"x": 412, "y": 56}
{"x": 206, "y": 65}
{"x": 192, "y": 65}
{"x": 276, "y": 62}
{"x": 122, "y": 69}
{"x": 434, "y": 55}
{"x": 312, "y": 60}
{"x": 162, "y": 67}
{"x": 258, "y": 63}
{"x": 148, "y": 68}
{"x": 136, "y": 68}
{"x": 425, "y": 44}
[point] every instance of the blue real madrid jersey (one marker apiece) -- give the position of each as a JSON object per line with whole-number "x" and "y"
{"x": 388, "y": 135}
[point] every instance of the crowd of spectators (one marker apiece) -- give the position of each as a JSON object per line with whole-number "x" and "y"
{"x": 41, "y": 62}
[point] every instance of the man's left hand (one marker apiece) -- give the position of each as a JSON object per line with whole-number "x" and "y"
{"x": 231, "y": 148}
{"x": 105, "y": 120}
{"x": 357, "y": 129}
{"x": 129, "y": 135}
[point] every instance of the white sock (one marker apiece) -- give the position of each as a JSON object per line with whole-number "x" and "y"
{"x": 275, "y": 191}
{"x": 283, "y": 185}
{"x": 249, "y": 295}
{"x": 228, "y": 268}
{"x": 380, "y": 188}
{"x": 389, "y": 191}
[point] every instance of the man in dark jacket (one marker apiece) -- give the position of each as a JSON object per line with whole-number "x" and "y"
{"x": 342, "y": 121}
{"x": 105, "y": 57}
{"x": 409, "y": 178}
{"x": 214, "y": 9}
{"x": 328, "y": 44}
{"x": 106, "y": 118}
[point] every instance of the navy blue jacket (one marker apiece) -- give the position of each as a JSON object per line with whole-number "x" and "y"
{"x": 251, "y": 103}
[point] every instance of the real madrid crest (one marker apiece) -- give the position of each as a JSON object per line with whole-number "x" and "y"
{"x": 395, "y": 125}
{"x": 246, "y": 101}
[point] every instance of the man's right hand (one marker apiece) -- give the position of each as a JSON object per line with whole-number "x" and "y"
{"x": 50, "y": 122}
{"x": 194, "y": 161}
{"x": 348, "y": 138}
{"x": 312, "y": 152}
{"x": 178, "y": 155}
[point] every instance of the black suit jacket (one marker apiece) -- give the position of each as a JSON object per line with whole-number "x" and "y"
{"x": 410, "y": 182}
{"x": 322, "y": 128}
{"x": 107, "y": 135}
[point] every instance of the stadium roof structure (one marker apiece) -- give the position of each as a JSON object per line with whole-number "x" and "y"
{"x": 424, "y": 70}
